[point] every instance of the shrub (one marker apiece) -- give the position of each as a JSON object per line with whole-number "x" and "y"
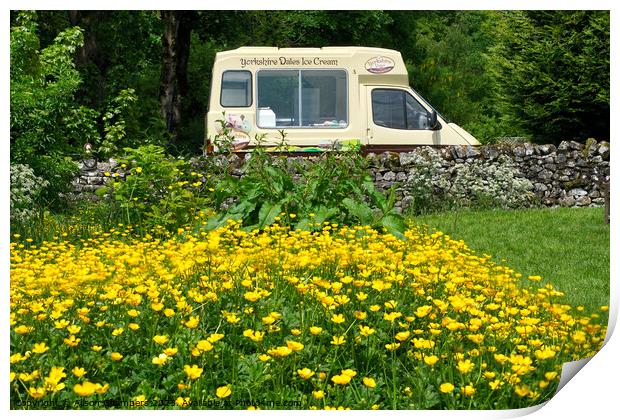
{"x": 305, "y": 193}
{"x": 436, "y": 185}
{"x": 154, "y": 190}
{"x": 26, "y": 190}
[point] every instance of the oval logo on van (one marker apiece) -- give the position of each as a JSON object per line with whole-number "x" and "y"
{"x": 379, "y": 65}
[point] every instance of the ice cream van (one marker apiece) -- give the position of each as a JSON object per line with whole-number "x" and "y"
{"x": 330, "y": 97}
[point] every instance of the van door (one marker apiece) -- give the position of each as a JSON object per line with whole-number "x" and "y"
{"x": 396, "y": 118}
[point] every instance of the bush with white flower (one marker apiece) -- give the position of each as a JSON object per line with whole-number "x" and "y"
{"x": 26, "y": 189}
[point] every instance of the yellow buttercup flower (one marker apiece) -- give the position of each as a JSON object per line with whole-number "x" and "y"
{"x": 315, "y": 330}
{"x": 294, "y": 345}
{"x": 160, "y": 360}
{"x": 72, "y": 341}
{"x": 337, "y": 318}
{"x": 280, "y": 351}
{"x": 495, "y": 384}
{"x": 116, "y": 356}
{"x": 341, "y": 379}
{"x": 392, "y": 316}
{"x": 369, "y": 382}
{"x": 85, "y": 389}
{"x": 422, "y": 311}
{"x": 446, "y": 387}
{"x": 468, "y": 390}
{"x": 74, "y": 329}
{"x": 40, "y": 348}
{"x": 403, "y": 335}
{"x": 366, "y": 330}
{"x": 318, "y": 395}
{"x": 193, "y": 372}
{"x": 465, "y": 366}
{"x": 338, "y": 340}
{"x": 305, "y": 373}
{"x": 192, "y": 322}
{"x": 23, "y": 329}
{"x": 36, "y": 392}
{"x": 78, "y": 372}
{"x": 224, "y": 391}
{"x": 161, "y": 339}
{"x": 431, "y": 360}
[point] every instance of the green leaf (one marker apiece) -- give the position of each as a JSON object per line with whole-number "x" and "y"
{"x": 395, "y": 224}
{"x": 267, "y": 214}
{"x": 358, "y": 210}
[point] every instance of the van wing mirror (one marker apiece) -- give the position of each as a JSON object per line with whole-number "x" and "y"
{"x": 432, "y": 120}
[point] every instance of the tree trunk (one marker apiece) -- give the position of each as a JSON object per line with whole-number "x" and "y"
{"x": 175, "y": 55}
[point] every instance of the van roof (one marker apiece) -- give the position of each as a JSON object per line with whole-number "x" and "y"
{"x": 330, "y": 50}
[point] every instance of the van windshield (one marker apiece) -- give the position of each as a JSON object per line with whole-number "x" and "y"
{"x": 423, "y": 99}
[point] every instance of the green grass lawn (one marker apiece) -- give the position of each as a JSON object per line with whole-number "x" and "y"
{"x": 569, "y": 248}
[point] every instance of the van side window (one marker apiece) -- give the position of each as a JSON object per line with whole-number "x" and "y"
{"x": 395, "y": 108}
{"x": 236, "y": 89}
{"x": 323, "y": 102}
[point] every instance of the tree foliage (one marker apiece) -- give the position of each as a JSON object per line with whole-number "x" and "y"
{"x": 551, "y": 70}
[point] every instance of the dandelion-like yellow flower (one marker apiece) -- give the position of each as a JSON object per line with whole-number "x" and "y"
{"x": 116, "y": 356}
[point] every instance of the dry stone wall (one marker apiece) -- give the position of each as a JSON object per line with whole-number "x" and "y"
{"x": 570, "y": 175}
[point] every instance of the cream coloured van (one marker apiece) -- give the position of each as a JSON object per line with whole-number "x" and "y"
{"x": 322, "y": 97}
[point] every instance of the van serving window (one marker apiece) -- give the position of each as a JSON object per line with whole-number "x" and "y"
{"x": 236, "y": 88}
{"x": 322, "y": 104}
{"x": 396, "y": 108}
